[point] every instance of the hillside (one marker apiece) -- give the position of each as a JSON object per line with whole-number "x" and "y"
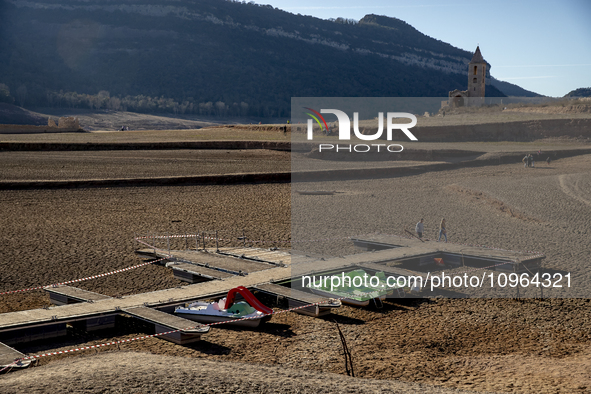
{"x": 211, "y": 57}
{"x": 11, "y": 114}
{"x": 511, "y": 89}
{"x": 580, "y": 92}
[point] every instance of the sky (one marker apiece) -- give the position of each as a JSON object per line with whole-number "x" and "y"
{"x": 541, "y": 45}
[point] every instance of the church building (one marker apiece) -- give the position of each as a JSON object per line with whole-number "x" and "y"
{"x": 474, "y": 96}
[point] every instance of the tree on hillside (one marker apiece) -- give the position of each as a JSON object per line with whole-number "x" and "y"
{"x": 580, "y": 92}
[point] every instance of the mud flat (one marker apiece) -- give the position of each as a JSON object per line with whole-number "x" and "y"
{"x": 492, "y": 345}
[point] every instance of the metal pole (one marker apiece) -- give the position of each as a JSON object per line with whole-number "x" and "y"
{"x": 203, "y": 238}
{"x": 186, "y": 241}
{"x": 168, "y": 242}
{"x": 197, "y": 240}
{"x": 217, "y": 249}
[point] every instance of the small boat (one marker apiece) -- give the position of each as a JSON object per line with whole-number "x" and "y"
{"x": 248, "y": 313}
{"x": 357, "y": 295}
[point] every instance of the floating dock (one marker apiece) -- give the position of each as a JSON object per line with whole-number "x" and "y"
{"x": 64, "y": 295}
{"x": 212, "y": 275}
{"x": 194, "y": 266}
{"x": 186, "y": 331}
{"x": 413, "y": 253}
{"x": 193, "y": 273}
{"x": 8, "y": 355}
{"x": 297, "y": 299}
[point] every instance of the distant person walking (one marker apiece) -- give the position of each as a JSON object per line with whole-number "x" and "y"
{"x": 533, "y": 163}
{"x": 548, "y": 160}
{"x": 442, "y": 231}
{"x": 525, "y": 160}
{"x": 419, "y": 228}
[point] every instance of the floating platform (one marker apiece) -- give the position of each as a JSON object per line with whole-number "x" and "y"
{"x": 8, "y": 355}
{"x": 193, "y": 273}
{"x": 297, "y": 299}
{"x": 214, "y": 274}
{"x": 416, "y": 254}
{"x": 190, "y": 331}
{"x": 229, "y": 260}
{"x": 268, "y": 256}
{"x": 64, "y": 295}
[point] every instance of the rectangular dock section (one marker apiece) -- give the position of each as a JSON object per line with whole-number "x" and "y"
{"x": 8, "y": 355}
{"x": 64, "y": 295}
{"x": 297, "y": 298}
{"x": 190, "y": 331}
{"x": 419, "y": 253}
{"x": 274, "y": 257}
{"x": 193, "y": 273}
{"x": 215, "y": 261}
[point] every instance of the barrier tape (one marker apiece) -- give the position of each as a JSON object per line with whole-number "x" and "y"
{"x": 83, "y": 279}
{"x": 241, "y": 239}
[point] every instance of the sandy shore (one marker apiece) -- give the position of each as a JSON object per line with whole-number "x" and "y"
{"x": 146, "y": 373}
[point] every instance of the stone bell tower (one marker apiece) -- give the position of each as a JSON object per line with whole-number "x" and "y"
{"x": 474, "y": 95}
{"x": 476, "y": 75}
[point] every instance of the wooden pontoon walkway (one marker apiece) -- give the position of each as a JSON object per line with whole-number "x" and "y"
{"x": 297, "y": 298}
{"x": 8, "y": 355}
{"x": 186, "y": 331}
{"x": 63, "y": 295}
{"x": 516, "y": 261}
{"x": 392, "y": 250}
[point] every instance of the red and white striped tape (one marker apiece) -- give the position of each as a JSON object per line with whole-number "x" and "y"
{"x": 248, "y": 240}
{"x": 83, "y": 279}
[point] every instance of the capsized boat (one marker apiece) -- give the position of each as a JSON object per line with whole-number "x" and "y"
{"x": 353, "y": 294}
{"x": 248, "y": 313}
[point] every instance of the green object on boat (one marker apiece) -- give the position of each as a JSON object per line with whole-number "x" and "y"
{"x": 357, "y": 290}
{"x": 240, "y": 309}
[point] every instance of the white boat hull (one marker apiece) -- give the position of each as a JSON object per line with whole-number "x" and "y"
{"x": 202, "y": 318}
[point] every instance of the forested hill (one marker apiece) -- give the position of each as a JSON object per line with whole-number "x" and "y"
{"x": 219, "y": 56}
{"x": 580, "y": 92}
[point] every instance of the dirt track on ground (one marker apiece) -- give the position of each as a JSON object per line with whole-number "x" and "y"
{"x": 485, "y": 345}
